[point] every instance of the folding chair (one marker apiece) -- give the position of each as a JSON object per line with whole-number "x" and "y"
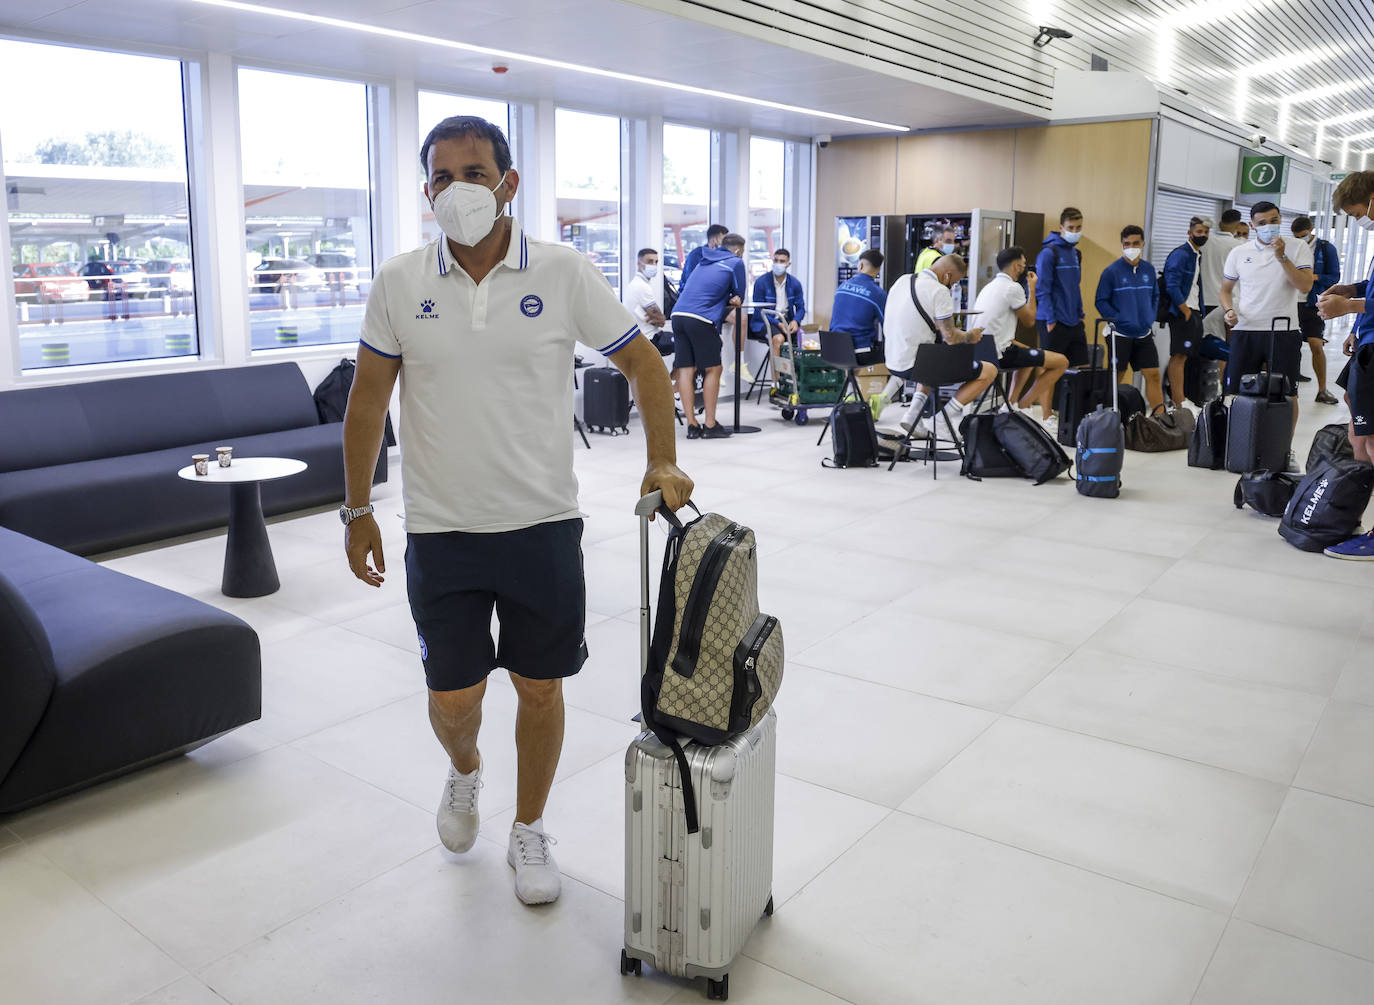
{"x": 942, "y": 368}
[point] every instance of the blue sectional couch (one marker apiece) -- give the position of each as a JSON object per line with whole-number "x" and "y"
{"x": 90, "y": 467}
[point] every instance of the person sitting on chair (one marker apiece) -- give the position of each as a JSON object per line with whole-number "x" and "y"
{"x": 859, "y": 306}
{"x": 922, "y": 310}
{"x": 1001, "y": 304}
{"x": 788, "y": 303}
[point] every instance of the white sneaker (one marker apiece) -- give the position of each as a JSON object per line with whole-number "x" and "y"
{"x": 536, "y": 873}
{"x": 457, "y": 818}
{"x": 949, "y": 425}
{"x": 1292, "y": 466}
{"x": 918, "y": 429}
{"x": 1051, "y": 424}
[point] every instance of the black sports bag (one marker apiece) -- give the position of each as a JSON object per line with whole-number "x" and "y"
{"x": 1327, "y": 507}
{"x": 983, "y": 454}
{"x": 1330, "y": 443}
{"x": 1027, "y": 443}
{"x": 1267, "y": 492}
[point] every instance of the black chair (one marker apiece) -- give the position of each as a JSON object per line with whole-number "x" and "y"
{"x": 942, "y": 368}
{"x": 837, "y": 350}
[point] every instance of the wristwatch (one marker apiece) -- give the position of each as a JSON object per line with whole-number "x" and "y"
{"x": 349, "y": 515}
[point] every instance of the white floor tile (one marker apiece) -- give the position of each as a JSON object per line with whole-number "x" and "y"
{"x": 1142, "y": 533}
{"x": 1179, "y": 828}
{"x": 1254, "y": 547}
{"x": 1256, "y": 966}
{"x": 920, "y": 913}
{"x": 1227, "y": 645}
{"x": 1227, "y": 589}
{"x": 1357, "y": 678}
{"x": 880, "y": 744}
{"x": 187, "y": 991}
{"x": 756, "y": 984}
{"x": 1313, "y": 878}
{"x": 1250, "y": 728}
{"x": 58, "y": 943}
{"x": 1340, "y": 761}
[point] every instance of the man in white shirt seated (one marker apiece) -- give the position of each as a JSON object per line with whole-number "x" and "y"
{"x": 1001, "y": 304}
{"x": 642, "y": 300}
{"x": 920, "y": 309}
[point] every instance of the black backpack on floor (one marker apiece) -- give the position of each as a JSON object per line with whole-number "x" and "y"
{"x": 1330, "y": 443}
{"x": 1267, "y": 492}
{"x": 1033, "y": 449}
{"x": 1327, "y": 507}
{"x": 1207, "y": 447}
{"x": 983, "y": 454}
{"x": 853, "y": 435}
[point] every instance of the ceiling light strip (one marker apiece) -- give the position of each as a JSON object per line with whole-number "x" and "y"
{"x": 556, "y": 64}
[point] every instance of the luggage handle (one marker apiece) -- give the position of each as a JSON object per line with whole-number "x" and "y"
{"x": 647, "y": 507}
{"x": 1114, "y": 376}
{"x": 1269, "y": 361}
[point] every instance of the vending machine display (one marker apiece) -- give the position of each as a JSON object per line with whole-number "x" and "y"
{"x": 856, "y": 234}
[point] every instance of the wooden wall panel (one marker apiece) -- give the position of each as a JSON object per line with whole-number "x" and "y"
{"x": 853, "y": 177}
{"x": 944, "y": 172}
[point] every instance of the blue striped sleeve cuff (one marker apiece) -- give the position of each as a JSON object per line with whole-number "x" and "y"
{"x": 621, "y": 342}
{"x": 379, "y": 352}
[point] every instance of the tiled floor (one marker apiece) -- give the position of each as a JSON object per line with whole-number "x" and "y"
{"x": 1033, "y": 748}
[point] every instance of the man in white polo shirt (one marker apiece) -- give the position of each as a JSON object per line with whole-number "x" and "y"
{"x": 480, "y": 326}
{"x": 1001, "y": 304}
{"x": 1272, "y": 276}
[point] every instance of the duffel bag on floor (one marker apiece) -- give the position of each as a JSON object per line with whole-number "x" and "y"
{"x": 1030, "y": 447}
{"x": 1267, "y": 492}
{"x": 1328, "y": 505}
{"x": 1329, "y": 444}
{"x": 1160, "y": 431}
{"x": 983, "y": 455}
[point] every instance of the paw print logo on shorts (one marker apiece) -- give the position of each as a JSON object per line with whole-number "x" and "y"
{"x": 424, "y": 649}
{"x": 426, "y": 306}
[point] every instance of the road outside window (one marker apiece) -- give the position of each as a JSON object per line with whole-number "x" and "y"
{"x": 686, "y": 194}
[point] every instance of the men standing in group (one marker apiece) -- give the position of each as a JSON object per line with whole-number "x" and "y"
{"x": 714, "y": 235}
{"x": 1187, "y": 306}
{"x": 481, "y": 325}
{"x": 859, "y": 307}
{"x": 718, "y": 283}
{"x": 1004, "y": 302}
{"x": 1058, "y": 296}
{"x": 1221, "y": 242}
{"x": 947, "y": 244}
{"x": 783, "y": 291}
{"x": 642, "y": 300}
{"x": 1271, "y": 275}
{"x": 1128, "y": 297}
{"x": 1326, "y": 270}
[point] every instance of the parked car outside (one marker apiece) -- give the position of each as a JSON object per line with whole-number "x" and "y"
{"x": 274, "y": 274}
{"x": 340, "y": 269}
{"x": 48, "y": 282}
{"x": 120, "y": 278}
{"x": 171, "y": 274}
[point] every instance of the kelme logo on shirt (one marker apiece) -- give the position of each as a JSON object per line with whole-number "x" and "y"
{"x": 426, "y": 311}
{"x": 531, "y": 306}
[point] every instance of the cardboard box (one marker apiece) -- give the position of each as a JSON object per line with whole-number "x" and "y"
{"x": 872, "y": 379}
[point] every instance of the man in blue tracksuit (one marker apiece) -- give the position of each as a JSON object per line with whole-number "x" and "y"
{"x": 783, "y": 291}
{"x": 717, "y": 283}
{"x": 714, "y": 235}
{"x": 1187, "y": 304}
{"x": 1058, "y": 296}
{"x": 1128, "y": 297}
{"x": 859, "y": 306}
{"x": 1326, "y": 267}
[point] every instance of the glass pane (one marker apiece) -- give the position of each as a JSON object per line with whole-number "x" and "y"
{"x": 98, "y": 212}
{"x": 308, "y": 242}
{"x": 686, "y": 194}
{"x": 587, "y": 151}
{"x": 434, "y": 108}
{"x": 765, "y": 203}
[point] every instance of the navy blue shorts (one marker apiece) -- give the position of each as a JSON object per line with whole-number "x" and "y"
{"x": 532, "y": 578}
{"x": 1139, "y": 353}
{"x": 1357, "y": 380}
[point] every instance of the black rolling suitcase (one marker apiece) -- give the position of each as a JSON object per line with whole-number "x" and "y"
{"x": 1101, "y": 444}
{"x": 605, "y": 400}
{"x": 1078, "y": 393}
{"x": 1259, "y": 428}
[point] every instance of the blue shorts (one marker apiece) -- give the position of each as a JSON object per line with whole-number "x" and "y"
{"x": 532, "y": 578}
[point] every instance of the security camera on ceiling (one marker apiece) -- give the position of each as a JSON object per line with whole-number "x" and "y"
{"x": 823, "y": 140}
{"x": 1047, "y": 35}
{"x": 1257, "y": 139}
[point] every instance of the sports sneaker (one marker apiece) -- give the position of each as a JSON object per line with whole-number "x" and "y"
{"x": 1357, "y": 549}
{"x": 1291, "y": 467}
{"x": 716, "y": 432}
{"x": 876, "y": 404}
{"x": 1051, "y": 424}
{"x": 1303, "y": 378}
{"x": 918, "y": 430}
{"x": 693, "y": 431}
{"x": 1325, "y": 397}
{"x": 457, "y": 818}
{"x": 536, "y": 873}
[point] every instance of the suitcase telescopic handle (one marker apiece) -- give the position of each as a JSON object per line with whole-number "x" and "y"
{"x": 1273, "y": 332}
{"x": 1111, "y": 357}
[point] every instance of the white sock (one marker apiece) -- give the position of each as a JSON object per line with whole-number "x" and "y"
{"x": 955, "y": 411}
{"x": 913, "y": 410}
{"x": 893, "y": 385}
{"x": 538, "y": 825}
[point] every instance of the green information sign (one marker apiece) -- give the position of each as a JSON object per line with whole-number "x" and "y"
{"x": 1262, "y": 175}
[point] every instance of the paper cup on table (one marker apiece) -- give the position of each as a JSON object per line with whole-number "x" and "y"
{"x": 202, "y": 463}
{"x": 226, "y": 456}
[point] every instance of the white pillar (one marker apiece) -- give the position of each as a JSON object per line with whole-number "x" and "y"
{"x": 539, "y": 181}
{"x": 225, "y": 316}
{"x": 396, "y": 188}
{"x": 9, "y": 327}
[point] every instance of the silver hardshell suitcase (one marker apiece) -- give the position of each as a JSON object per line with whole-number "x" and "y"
{"x": 692, "y": 900}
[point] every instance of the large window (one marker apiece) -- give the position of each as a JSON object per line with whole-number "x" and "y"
{"x": 587, "y": 154}
{"x": 434, "y": 108}
{"x": 308, "y": 246}
{"x": 766, "y": 159}
{"x": 95, "y": 174}
{"x": 686, "y": 194}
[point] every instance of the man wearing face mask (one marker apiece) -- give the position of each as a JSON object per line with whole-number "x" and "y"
{"x": 719, "y": 283}
{"x": 1187, "y": 303}
{"x": 1326, "y": 267}
{"x": 1221, "y": 241}
{"x": 1128, "y": 297}
{"x": 946, "y": 245}
{"x": 1270, "y": 275}
{"x": 1059, "y": 297}
{"x": 1003, "y": 303}
{"x": 783, "y": 292}
{"x": 642, "y": 300}
{"x": 481, "y": 325}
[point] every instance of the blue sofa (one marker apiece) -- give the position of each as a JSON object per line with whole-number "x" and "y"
{"x": 90, "y": 467}
{"x": 103, "y": 673}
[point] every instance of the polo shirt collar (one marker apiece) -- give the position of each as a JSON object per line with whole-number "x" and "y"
{"x": 517, "y": 255}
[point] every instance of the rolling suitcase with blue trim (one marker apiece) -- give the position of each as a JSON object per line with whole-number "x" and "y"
{"x": 1101, "y": 442}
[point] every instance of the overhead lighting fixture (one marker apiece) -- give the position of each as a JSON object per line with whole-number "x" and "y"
{"x": 1048, "y": 35}
{"x": 1327, "y": 91}
{"x": 555, "y": 64}
{"x": 1340, "y": 120}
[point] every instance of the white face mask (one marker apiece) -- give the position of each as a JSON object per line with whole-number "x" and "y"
{"x": 779, "y": 269}
{"x": 466, "y": 212}
{"x": 947, "y": 249}
{"x": 1072, "y": 236}
{"x": 650, "y": 271}
{"x": 1366, "y": 222}
{"x": 1131, "y": 253}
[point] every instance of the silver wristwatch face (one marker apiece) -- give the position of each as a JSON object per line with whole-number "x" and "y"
{"x": 347, "y": 515}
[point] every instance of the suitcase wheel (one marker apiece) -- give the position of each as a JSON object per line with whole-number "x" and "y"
{"x": 718, "y": 990}
{"x": 768, "y": 907}
{"x": 629, "y": 966}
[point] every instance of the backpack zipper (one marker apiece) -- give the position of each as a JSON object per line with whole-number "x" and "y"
{"x": 698, "y": 600}
{"x": 748, "y": 689}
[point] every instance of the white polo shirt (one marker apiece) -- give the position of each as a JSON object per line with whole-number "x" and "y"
{"x": 639, "y": 294}
{"x": 1265, "y": 291}
{"x": 998, "y": 303}
{"x": 486, "y": 379}
{"x": 903, "y": 327}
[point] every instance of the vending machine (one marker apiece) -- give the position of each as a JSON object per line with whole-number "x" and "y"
{"x": 979, "y": 235}
{"x": 856, "y": 234}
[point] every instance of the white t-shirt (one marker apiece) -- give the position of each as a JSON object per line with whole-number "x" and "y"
{"x": 903, "y": 327}
{"x": 1219, "y": 245}
{"x": 998, "y": 303}
{"x": 780, "y": 288}
{"x": 639, "y": 294}
{"x": 486, "y": 379}
{"x": 1265, "y": 290}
